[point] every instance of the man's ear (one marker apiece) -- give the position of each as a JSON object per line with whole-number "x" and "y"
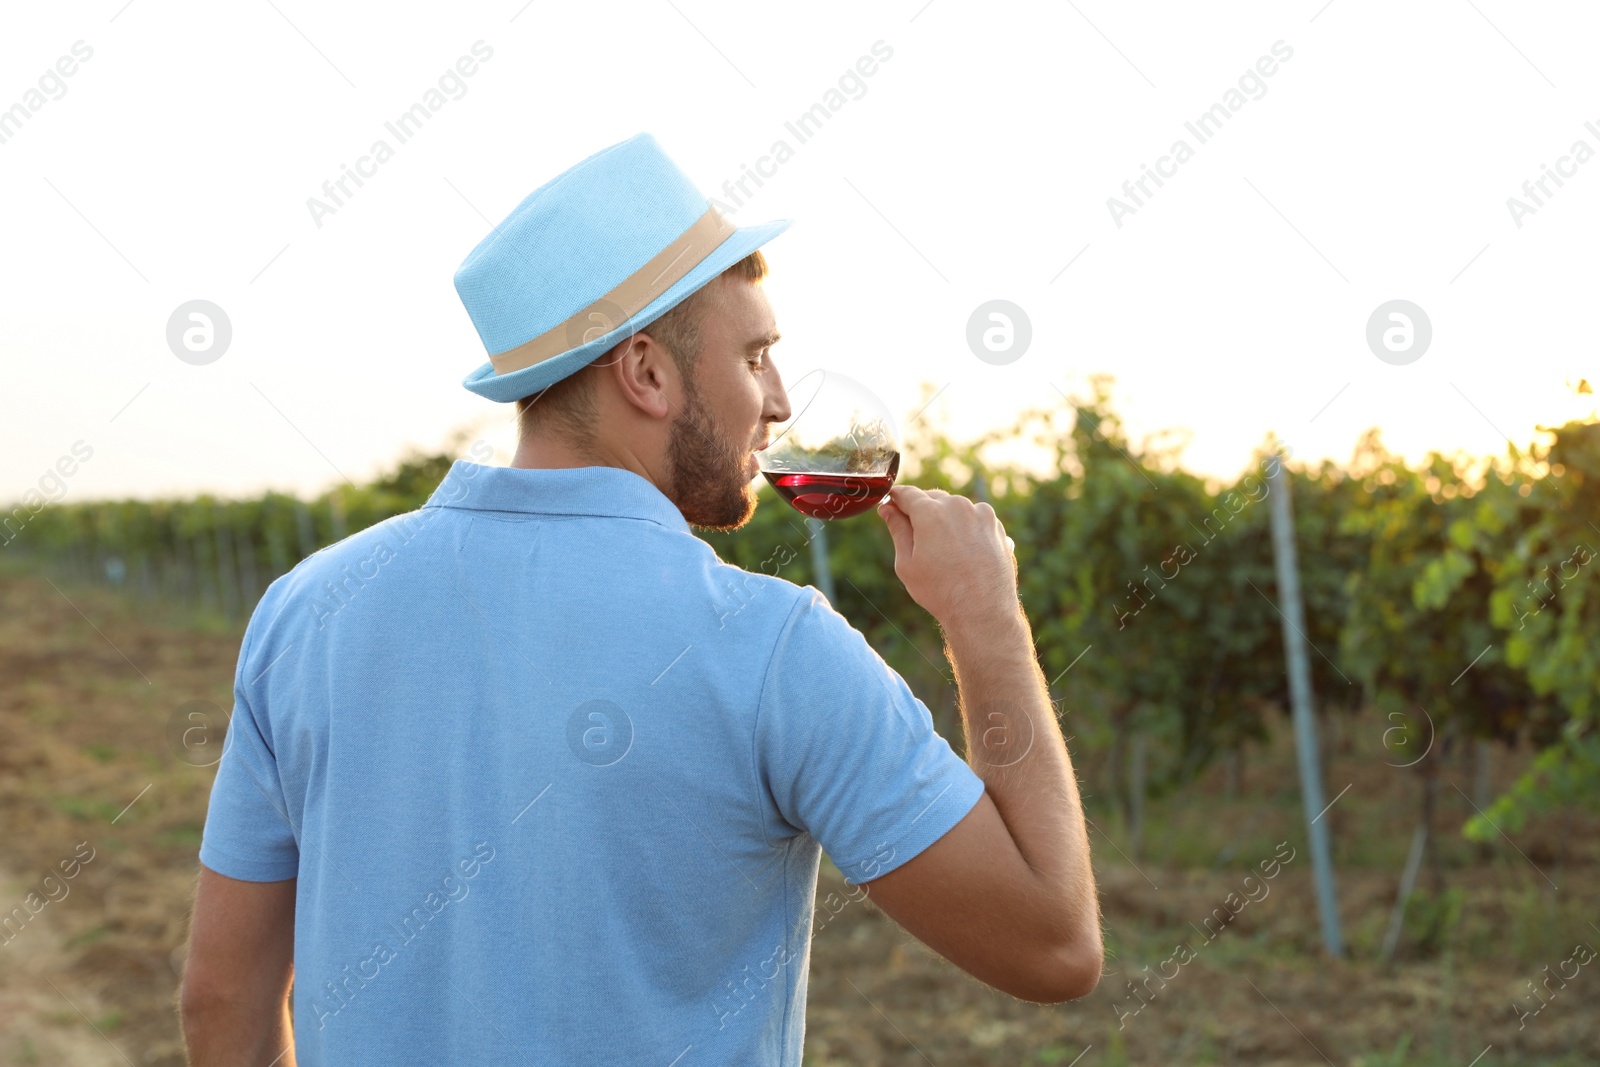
{"x": 644, "y": 375}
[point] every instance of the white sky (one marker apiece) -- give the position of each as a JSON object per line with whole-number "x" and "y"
{"x": 976, "y": 166}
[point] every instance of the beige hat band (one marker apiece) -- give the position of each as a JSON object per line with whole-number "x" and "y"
{"x": 635, "y": 293}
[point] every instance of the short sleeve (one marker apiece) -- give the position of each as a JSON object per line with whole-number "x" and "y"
{"x": 848, "y": 754}
{"x": 248, "y": 833}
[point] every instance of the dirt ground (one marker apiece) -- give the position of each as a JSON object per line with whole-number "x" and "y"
{"x": 91, "y": 781}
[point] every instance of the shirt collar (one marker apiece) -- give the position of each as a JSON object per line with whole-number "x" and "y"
{"x": 603, "y": 492}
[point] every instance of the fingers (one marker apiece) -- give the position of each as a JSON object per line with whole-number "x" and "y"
{"x": 912, "y": 500}
{"x": 904, "y": 498}
{"x": 914, "y": 492}
{"x": 899, "y": 528}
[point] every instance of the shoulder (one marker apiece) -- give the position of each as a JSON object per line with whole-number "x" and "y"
{"x": 329, "y": 576}
{"x": 751, "y": 596}
{"x": 809, "y": 631}
{"x": 364, "y": 547}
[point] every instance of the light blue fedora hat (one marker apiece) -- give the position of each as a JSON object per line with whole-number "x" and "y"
{"x": 590, "y": 258}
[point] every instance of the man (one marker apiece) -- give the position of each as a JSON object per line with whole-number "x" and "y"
{"x": 530, "y": 775}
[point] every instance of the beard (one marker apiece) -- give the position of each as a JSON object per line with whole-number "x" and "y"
{"x": 709, "y": 474}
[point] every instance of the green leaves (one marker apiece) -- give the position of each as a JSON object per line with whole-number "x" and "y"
{"x": 1469, "y": 588}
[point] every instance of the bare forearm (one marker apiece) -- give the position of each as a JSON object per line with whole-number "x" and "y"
{"x": 1015, "y": 745}
{"x": 238, "y": 1034}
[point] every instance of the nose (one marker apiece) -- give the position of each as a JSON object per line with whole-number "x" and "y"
{"x": 777, "y": 399}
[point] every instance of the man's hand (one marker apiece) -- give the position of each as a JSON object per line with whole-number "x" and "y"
{"x": 951, "y": 556}
{"x": 234, "y": 1000}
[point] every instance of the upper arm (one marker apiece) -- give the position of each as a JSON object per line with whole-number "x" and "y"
{"x": 844, "y": 751}
{"x": 855, "y": 762}
{"x": 973, "y": 898}
{"x": 241, "y": 940}
{"x": 249, "y": 831}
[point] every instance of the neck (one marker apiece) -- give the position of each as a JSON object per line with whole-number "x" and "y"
{"x": 534, "y": 452}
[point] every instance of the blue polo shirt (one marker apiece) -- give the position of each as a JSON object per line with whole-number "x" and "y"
{"x": 555, "y": 781}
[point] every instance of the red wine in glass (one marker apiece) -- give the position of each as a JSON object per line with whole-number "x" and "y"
{"x": 838, "y": 454}
{"x": 833, "y": 496}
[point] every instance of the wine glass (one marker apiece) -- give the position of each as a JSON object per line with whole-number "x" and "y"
{"x": 839, "y": 452}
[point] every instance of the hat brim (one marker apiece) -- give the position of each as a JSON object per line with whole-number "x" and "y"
{"x": 507, "y": 388}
